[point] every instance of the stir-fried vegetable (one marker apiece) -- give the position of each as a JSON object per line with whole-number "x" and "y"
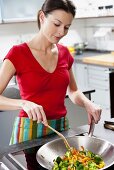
{"x": 78, "y": 160}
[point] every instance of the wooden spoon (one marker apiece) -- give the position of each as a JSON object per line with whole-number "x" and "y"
{"x": 61, "y": 136}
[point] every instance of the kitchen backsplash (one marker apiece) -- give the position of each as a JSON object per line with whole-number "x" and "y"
{"x": 82, "y": 30}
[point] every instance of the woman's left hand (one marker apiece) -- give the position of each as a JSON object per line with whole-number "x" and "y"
{"x": 94, "y": 112}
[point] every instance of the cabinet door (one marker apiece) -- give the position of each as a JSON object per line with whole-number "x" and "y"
{"x": 20, "y": 10}
{"x": 81, "y": 75}
{"x": 77, "y": 116}
{"x": 98, "y": 78}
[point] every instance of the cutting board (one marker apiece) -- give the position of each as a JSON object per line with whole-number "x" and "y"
{"x": 105, "y": 59}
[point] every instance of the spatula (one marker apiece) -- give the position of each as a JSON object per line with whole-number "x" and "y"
{"x": 61, "y": 136}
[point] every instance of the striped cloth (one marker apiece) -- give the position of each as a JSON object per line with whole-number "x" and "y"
{"x": 26, "y": 129}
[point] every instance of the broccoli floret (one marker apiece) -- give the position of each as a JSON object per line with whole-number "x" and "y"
{"x": 97, "y": 159}
{"x": 79, "y": 165}
{"x": 58, "y": 159}
{"x": 92, "y": 166}
{"x": 90, "y": 154}
{"x": 56, "y": 166}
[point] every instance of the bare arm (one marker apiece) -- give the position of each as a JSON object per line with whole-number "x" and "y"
{"x": 33, "y": 110}
{"x": 77, "y": 97}
{"x": 6, "y": 73}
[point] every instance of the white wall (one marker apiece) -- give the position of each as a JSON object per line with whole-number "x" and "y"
{"x": 76, "y": 33}
{"x": 15, "y": 33}
{"x": 82, "y": 30}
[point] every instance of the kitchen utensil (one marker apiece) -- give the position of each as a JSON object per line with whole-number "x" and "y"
{"x": 61, "y": 136}
{"x": 48, "y": 152}
{"x": 109, "y": 122}
{"x": 80, "y": 47}
{"x": 91, "y": 128}
{"x": 109, "y": 126}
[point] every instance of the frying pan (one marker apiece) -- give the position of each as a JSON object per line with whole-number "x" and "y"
{"x": 49, "y": 151}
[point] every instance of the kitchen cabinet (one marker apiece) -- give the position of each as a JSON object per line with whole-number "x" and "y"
{"x": 15, "y": 11}
{"x": 98, "y": 78}
{"x": 77, "y": 115}
{"x": 7, "y": 117}
{"x": 101, "y": 79}
{"x": 93, "y": 8}
{"x": 81, "y": 75}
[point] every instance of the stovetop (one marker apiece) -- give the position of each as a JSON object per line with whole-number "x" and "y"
{"x": 35, "y": 142}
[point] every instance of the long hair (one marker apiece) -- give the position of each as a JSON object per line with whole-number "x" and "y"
{"x": 51, "y": 5}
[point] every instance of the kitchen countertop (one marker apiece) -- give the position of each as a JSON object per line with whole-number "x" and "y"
{"x": 105, "y": 134}
{"x": 104, "y": 60}
{"x": 89, "y": 54}
{"x": 94, "y": 57}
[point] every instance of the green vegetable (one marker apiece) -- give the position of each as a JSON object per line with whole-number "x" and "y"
{"x": 63, "y": 168}
{"x": 68, "y": 154}
{"x": 92, "y": 166}
{"x": 90, "y": 154}
{"x": 63, "y": 164}
{"x": 97, "y": 159}
{"x": 58, "y": 159}
{"x": 82, "y": 152}
{"x": 79, "y": 166}
{"x": 56, "y": 166}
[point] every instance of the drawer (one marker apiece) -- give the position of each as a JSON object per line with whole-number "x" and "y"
{"x": 99, "y": 84}
{"x": 98, "y": 73}
{"x": 99, "y": 78}
{"x": 101, "y": 97}
{"x": 98, "y": 68}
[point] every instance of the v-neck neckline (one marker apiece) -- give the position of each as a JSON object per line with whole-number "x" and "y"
{"x": 36, "y": 61}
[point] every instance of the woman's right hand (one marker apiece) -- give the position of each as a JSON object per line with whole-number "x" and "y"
{"x": 34, "y": 111}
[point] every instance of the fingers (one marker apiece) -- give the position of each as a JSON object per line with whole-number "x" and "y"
{"x": 44, "y": 120}
{"x": 97, "y": 115}
{"x": 38, "y": 114}
{"x": 94, "y": 113}
{"x": 89, "y": 119}
{"x": 35, "y": 112}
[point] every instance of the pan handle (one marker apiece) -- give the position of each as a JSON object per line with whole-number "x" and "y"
{"x": 91, "y": 129}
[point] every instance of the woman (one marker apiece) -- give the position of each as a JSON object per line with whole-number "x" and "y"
{"x": 44, "y": 72}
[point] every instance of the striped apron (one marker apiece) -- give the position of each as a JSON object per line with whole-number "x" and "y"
{"x": 26, "y": 129}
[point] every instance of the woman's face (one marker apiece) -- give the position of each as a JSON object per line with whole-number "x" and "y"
{"x": 56, "y": 25}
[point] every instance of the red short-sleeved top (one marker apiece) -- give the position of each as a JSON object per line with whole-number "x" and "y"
{"x": 38, "y": 85}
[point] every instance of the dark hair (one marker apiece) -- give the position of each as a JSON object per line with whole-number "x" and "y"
{"x": 51, "y": 5}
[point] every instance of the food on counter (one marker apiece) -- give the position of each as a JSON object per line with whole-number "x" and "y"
{"x": 78, "y": 160}
{"x": 72, "y": 50}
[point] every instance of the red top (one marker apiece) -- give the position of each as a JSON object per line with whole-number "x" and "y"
{"x": 38, "y": 85}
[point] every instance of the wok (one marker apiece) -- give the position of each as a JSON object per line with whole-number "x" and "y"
{"x": 48, "y": 152}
